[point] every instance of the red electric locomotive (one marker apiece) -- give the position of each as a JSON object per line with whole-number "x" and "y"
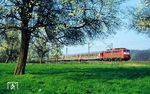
{"x": 115, "y": 54}
{"x": 110, "y": 54}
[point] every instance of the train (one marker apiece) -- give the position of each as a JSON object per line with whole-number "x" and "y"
{"x": 113, "y": 54}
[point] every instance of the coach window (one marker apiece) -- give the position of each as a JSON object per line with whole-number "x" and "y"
{"x": 108, "y": 52}
{"x": 114, "y": 51}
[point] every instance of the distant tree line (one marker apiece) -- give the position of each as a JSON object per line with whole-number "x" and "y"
{"x": 140, "y": 55}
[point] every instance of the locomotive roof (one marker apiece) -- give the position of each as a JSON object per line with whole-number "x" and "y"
{"x": 116, "y": 48}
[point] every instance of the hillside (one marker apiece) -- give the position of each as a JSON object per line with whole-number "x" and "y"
{"x": 140, "y": 55}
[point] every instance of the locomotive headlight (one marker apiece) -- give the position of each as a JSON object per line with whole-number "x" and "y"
{"x": 126, "y": 52}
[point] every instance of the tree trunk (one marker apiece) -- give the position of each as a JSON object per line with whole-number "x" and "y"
{"x": 7, "y": 60}
{"x": 41, "y": 59}
{"x": 25, "y": 38}
{"x": 9, "y": 56}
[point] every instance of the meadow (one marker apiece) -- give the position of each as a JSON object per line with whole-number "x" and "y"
{"x": 74, "y": 78}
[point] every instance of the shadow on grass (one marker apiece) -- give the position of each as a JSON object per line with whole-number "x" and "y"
{"x": 97, "y": 73}
{"x": 110, "y": 74}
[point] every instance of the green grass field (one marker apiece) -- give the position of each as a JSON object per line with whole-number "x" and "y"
{"x": 95, "y": 78}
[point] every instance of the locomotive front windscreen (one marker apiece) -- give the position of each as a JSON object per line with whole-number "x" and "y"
{"x": 126, "y": 51}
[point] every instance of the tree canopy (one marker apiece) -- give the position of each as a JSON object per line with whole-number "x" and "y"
{"x": 67, "y": 21}
{"x": 141, "y": 17}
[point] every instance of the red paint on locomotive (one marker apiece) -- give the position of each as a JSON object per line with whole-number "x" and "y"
{"x": 115, "y": 54}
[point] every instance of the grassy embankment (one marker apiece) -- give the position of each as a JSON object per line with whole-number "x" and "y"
{"x": 110, "y": 78}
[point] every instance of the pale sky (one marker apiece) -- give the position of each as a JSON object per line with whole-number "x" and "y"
{"x": 124, "y": 38}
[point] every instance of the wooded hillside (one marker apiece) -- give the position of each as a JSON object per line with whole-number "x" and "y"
{"x": 140, "y": 55}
